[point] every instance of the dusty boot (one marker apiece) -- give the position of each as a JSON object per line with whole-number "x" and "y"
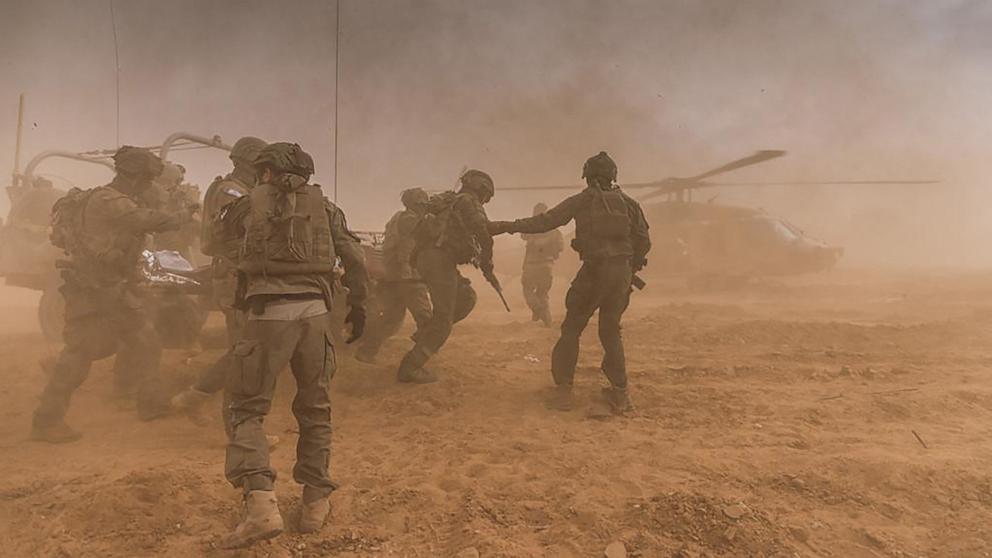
{"x": 562, "y": 399}
{"x": 416, "y": 376}
{"x": 261, "y": 520}
{"x": 618, "y": 400}
{"x": 55, "y": 433}
{"x": 190, "y": 402}
{"x": 546, "y": 318}
{"x": 313, "y": 513}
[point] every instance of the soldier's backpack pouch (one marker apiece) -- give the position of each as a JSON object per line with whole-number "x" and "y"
{"x": 610, "y": 218}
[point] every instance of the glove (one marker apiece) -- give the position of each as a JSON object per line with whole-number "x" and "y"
{"x": 500, "y": 227}
{"x": 356, "y": 319}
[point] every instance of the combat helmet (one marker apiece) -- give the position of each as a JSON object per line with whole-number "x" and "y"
{"x": 137, "y": 161}
{"x": 413, "y": 197}
{"x": 286, "y": 157}
{"x": 247, "y": 149}
{"x": 600, "y": 166}
{"x": 479, "y": 182}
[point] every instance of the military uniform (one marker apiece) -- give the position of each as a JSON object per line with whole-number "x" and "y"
{"x": 400, "y": 289}
{"x": 454, "y": 232}
{"x": 104, "y": 313}
{"x": 612, "y": 243}
{"x": 292, "y": 236}
{"x": 537, "y": 276}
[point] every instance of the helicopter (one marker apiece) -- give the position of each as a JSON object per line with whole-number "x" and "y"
{"x": 714, "y": 245}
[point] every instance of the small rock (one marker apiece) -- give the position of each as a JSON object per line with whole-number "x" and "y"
{"x": 799, "y": 534}
{"x": 735, "y": 511}
{"x": 615, "y": 549}
{"x": 470, "y": 552}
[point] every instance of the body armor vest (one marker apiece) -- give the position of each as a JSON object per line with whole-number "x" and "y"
{"x": 602, "y": 227}
{"x": 287, "y": 232}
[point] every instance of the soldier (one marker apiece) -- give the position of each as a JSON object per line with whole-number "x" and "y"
{"x": 291, "y": 238}
{"x": 454, "y": 231}
{"x": 611, "y": 237}
{"x": 400, "y": 289}
{"x": 543, "y": 249}
{"x": 103, "y": 232}
{"x": 224, "y": 250}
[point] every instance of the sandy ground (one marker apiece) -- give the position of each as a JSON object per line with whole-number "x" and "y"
{"x": 777, "y": 420}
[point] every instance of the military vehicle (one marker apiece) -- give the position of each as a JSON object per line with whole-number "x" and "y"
{"x": 714, "y": 245}
{"x": 27, "y": 258}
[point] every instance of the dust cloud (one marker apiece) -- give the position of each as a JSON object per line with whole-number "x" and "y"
{"x": 527, "y": 90}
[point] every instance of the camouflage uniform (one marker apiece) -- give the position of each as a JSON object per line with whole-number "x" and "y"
{"x": 291, "y": 237}
{"x": 603, "y": 282}
{"x": 400, "y": 289}
{"x": 461, "y": 237}
{"x": 104, "y": 313}
{"x": 537, "y": 276}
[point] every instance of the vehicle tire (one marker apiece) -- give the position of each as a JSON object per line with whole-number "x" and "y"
{"x": 51, "y": 314}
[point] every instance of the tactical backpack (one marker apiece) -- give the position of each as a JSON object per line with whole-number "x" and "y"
{"x": 287, "y": 231}
{"x": 442, "y": 227}
{"x": 67, "y": 221}
{"x": 609, "y": 217}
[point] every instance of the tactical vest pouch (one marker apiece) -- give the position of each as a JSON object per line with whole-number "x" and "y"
{"x": 67, "y": 216}
{"x": 287, "y": 232}
{"x": 609, "y": 217}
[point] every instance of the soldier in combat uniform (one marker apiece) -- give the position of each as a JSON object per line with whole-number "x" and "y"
{"x": 291, "y": 237}
{"x": 611, "y": 237}
{"x": 224, "y": 190}
{"x": 537, "y": 276}
{"x": 400, "y": 289}
{"x": 103, "y": 231}
{"x": 454, "y": 231}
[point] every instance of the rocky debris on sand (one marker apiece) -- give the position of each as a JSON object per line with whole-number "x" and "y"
{"x": 735, "y": 511}
{"x": 470, "y": 552}
{"x": 615, "y": 549}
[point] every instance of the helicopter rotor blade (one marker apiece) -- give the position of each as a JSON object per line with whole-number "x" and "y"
{"x": 758, "y": 157}
{"x": 821, "y": 183}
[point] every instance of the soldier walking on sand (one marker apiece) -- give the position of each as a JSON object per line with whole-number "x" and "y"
{"x": 224, "y": 249}
{"x": 291, "y": 237}
{"x": 611, "y": 237}
{"x": 103, "y": 232}
{"x": 454, "y": 231}
{"x": 537, "y": 276}
{"x": 400, "y": 289}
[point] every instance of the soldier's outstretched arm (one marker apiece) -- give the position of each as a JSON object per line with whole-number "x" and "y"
{"x": 553, "y": 218}
{"x": 348, "y": 248}
{"x": 126, "y": 214}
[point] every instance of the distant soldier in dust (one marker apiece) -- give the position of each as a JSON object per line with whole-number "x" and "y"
{"x": 537, "y": 276}
{"x": 611, "y": 237}
{"x": 103, "y": 231}
{"x": 400, "y": 289}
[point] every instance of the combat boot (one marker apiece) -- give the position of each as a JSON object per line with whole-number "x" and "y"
{"x": 190, "y": 402}
{"x": 416, "y": 376}
{"x": 261, "y": 520}
{"x": 562, "y": 399}
{"x": 313, "y": 512}
{"x": 56, "y": 433}
{"x": 618, "y": 399}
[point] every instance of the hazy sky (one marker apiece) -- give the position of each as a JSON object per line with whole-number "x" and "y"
{"x": 528, "y": 89}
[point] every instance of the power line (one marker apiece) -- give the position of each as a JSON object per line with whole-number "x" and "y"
{"x": 337, "y": 59}
{"x": 117, "y": 73}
